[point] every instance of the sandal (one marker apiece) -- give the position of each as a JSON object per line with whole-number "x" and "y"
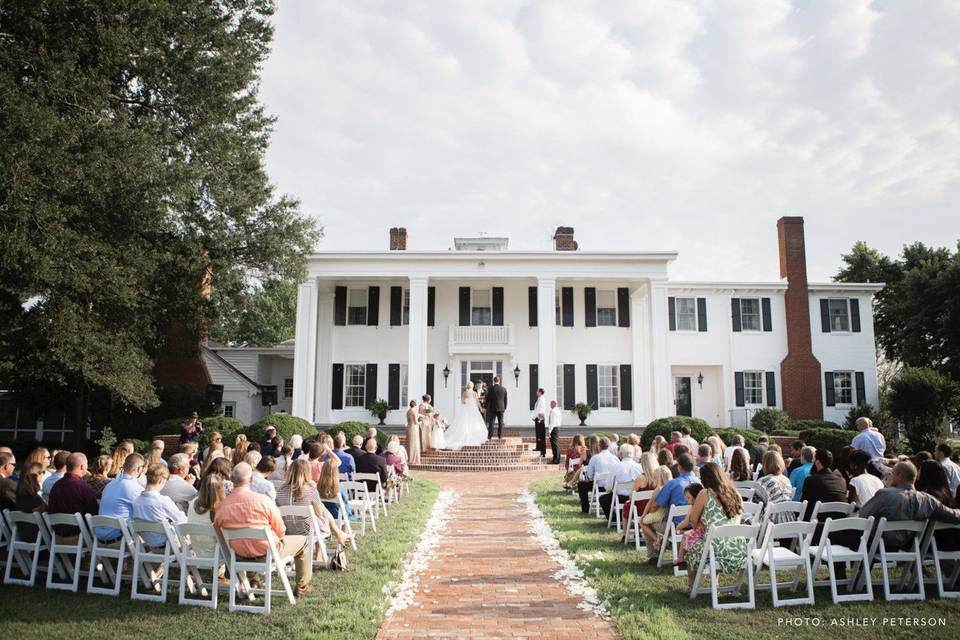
{"x": 303, "y": 592}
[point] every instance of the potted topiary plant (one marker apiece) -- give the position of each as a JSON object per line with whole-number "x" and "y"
{"x": 379, "y": 409}
{"x": 582, "y": 409}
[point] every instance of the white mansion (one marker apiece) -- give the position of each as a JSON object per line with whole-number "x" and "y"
{"x": 605, "y": 328}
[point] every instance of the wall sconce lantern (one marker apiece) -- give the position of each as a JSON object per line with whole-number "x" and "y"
{"x": 516, "y": 374}
{"x": 446, "y": 374}
{"x": 700, "y": 379}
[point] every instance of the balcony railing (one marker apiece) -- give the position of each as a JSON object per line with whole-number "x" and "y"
{"x": 481, "y": 339}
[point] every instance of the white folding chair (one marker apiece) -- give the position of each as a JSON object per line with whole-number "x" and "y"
{"x": 774, "y": 556}
{"x": 835, "y": 510}
{"x": 752, "y": 513}
{"x": 268, "y": 564}
{"x": 600, "y": 484}
{"x": 103, "y": 553}
{"x": 745, "y": 484}
{"x": 781, "y": 512}
{"x": 68, "y": 555}
{"x": 194, "y": 559}
{"x": 25, "y": 553}
{"x": 757, "y": 470}
{"x": 358, "y": 497}
{"x": 671, "y": 535}
{"x": 152, "y": 565}
{"x": 746, "y": 493}
{"x": 315, "y": 539}
{"x": 633, "y": 517}
{"x": 615, "y": 505}
{"x": 4, "y": 540}
{"x": 933, "y": 555}
{"x": 911, "y": 555}
{"x": 829, "y": 552}
{"x": 708, "y": 563}
{"x": 379, "y": 493}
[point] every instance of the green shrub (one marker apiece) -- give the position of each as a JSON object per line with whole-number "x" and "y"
{"x": 749, "y": 437}
{"x": 228, "y": 428}
{"x": 286, "y": 425}
{"x": 770, "y": 419}
{"x": 832, "y": 439}
{"x": 789, "y": 433}
{"x": 106, "y": 441}
{"x": 140, "y": 446}
{"x": 806, "y": 425}
{"x": 168, "y": 427}
{"x": 700, "y": 430}
{"x": 922, "y": 399}
{"x": 351, "y": 429}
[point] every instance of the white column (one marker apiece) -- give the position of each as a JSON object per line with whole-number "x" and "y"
{"x": 659, "y": 356}
{"x": 547, "y": 332}
{"x": 417, "y": 341}
{"x": 642, "y": 392}
{"x": 324, "y": 356}
{"x": 305, "y": 351}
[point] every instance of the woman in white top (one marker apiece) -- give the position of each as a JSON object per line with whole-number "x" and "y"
{"x": 862, "y": 485}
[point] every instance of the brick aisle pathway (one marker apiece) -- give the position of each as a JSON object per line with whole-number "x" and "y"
{"x": 491, "y": 578}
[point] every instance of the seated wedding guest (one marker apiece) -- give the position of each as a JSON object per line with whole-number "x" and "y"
{"x": 737, "y": 445}
{"x": 209, "y": 496}
{"x": 177, "y": 487}
{"x": 665, "y": 459}
{"x": 28, "y": 498}
{"x": 651, "y": 516}
{"x": 668, "y": 495}
{"x": 283, "y": 462}
{"x": 634, "y": 441}
{"x": 401, "y": 450}
{"x": 296, "y": 442}
{"x": 626, "y": 470}
{"x": 70, "y": 495}
{"x": 59, "y": 469}
{"x": 646, "y": 481}
{"x": 718, "y": 447}
{"x": 356, "y": 449}
{"x": 153, "y": 506}
{"x": 220, "y": 467}
{"x": 690, "y": 535}
{"x": 8, "y": 488}
{"x": 932, "y": 480}
{"x": 372, "y": 435}
{"x": 602, "y": 462}
{"x": 740, "y": 466}
{"x": 659, "y": 444}
{"x": 704, "y": 455}
{"x": 100, "y": 474}
{"x": 252, "y": 458}
{"x": 277, "y": 443}
{"x": 952, "y": 470}
{"x": 118, "y": 496}
{"x": 578, "y": 452}
{"x": 266, "y": 445}
{"x": 155, "y": 454}
{"x": 190, "y": 429}
{"x": 348, "y": 463}
{"x": 678, "y": 450}
{"x": 901, "y": 501}
{"x": 413, "y": 434}
{"x": 614, "y": 444}
{"x": 244, "y": 508}
{"x": 190, "y": 449}
{"x": 240, "y": 448}
{"x": 370, "y": 462}
{"x": 757, "y": 451}
{"x": 688, "y": 439}
{"x": 675, "y": 438}
{"x": 870, "y": 440}
{"x": 315, "y": 461}
{"x": 392, "y": 457}
{"x": 863, "y": 485}
{"x": 795, "y": 448}
{"x": 215, "y": 439}
{"x": 799, "y": 475}
{"x": 329, "y": 488}
{"x": 261, "y": 474}
{"x": 40, "y": 455}
{"x": 228, "y": 454}
{"x": 773, "y": 487}
{"x": 717, "y": 505}
{"x": 823, "y": 485}
{"x": 299, "y": 491}
{"x": 841, "y": 462}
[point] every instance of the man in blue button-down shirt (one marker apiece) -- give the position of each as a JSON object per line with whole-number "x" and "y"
{"x": 152, "y": 506}
{"x": 118, "y": 496}
{"x": 801, "y": 473}
{"x": 668, "y": 495}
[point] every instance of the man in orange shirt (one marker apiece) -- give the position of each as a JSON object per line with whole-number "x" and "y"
{"x": 245, "y": 508}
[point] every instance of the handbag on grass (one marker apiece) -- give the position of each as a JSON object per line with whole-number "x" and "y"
{"x": 338, "y": 561}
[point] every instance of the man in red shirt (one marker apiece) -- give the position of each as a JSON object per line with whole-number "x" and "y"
{"x": 72, "y": 494}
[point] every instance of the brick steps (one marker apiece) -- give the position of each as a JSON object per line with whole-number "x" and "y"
{"x": 509, "y": 454}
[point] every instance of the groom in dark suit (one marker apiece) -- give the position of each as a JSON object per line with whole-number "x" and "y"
{"x": 496, "y": 406}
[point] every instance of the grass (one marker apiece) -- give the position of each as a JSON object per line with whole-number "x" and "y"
{"x": 650, "y": 603}
{"x": 342, "y": 605}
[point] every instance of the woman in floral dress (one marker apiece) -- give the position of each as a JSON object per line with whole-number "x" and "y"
{"x": 717, "y": 505}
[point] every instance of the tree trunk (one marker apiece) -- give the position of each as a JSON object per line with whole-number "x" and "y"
{"x": 81, "y": 410}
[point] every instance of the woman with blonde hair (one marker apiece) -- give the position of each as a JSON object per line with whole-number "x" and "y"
{"x": 42, "y": 457}
{"x": 155, "y": 454}
{"x": 216, "y": 440}
{"x": 120, "y": 453}
{"x": 652, "y": 513}
{"x": 647, "y": 481}
{"x": 299, "y": 491}
{"x": 240, "y": 449}
{"x": 718, "y": 448}
{"x": 659, "y": 442}
{"x": 99, "y": 472}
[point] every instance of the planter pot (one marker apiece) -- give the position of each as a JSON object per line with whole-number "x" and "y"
{"x": 583, "y": 419}
{"x": 383, "y": 416}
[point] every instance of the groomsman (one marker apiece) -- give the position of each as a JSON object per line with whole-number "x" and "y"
{"x": 554, "y": 420}
{"x": 539, "y": 418}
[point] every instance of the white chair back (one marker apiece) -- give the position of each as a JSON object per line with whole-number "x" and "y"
{"x": 25, "y": 554}
{"x": 833, "y": 509}
{"x": 752, "y": 512}
{"x": 65, "y": 557}
{"x": 942, "y": 560}
{"x": 746, "y": 493}
{"x": 781, "y": 512}
{"x": 830, "y": 553}
{"x": 152, "y": 565}
{"x": 269, "y": 564}
{"x": 908, "y": 554}
{"x": 619, "y": 488}
{"x": 315, "y": 538}
{"x": 194, "y": 558}
{"x": 107, "y": 558}
{"x": 671, "y": 535}
{"x": 708, "y": 559}
{"x": 633, "y": 517}
{"x": 775, "y": 555}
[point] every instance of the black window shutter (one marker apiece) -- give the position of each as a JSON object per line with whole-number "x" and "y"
{"x": 497, "y": 307}
{"x": 590, "y": 306}
{"x": 828, "y": 385}
{"x": 566, "y": 306}
{"x": 430, "y": 370}
{"x": 825, "y": 316}
{"x": 672, "y": 312}
{"x": 396, "y": 306}
{"x": 765, "y": 312}
{"x": 855, "y": 315}
{"x": 534, "y": 384}
{"x": 340, "y": 306}
{"x": 393, "y": 386}
{"x": 464, "y": 306}
{"x": 623, "y": 307}
{"x": 371, "y": 391}
{"x": 738, "y": 388}
{"x": 569, "y": 386}
{"x": 431, "y": 306}
{"x": 373, "y": 306}
{"x": 701, "y": 314}
{"x": 532, "y": 305}
{"x": 626, "y": 388}
{"x": 735, "y": 314}
{"x": 771, "y": 389}
{"x": 592, "y": 390}
{"x": 337, "y": 395}
{"x": 861, "y": 388}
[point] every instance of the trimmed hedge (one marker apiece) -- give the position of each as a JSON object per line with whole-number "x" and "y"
{"x": 832, "y": 439}
{"x": 787, "y": 433}
{"x": 805, "y": 425}
{"x": 749, "y": 437}
{"x": 663, "y": 426}
{"x": 287, "y": 425}
{"x": 770, "y": 419}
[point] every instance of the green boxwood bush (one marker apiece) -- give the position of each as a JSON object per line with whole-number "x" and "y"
{"x": 805, "y": 425}
{"x": 832, "y": 439}
{"x": 351, "y": 429}
{"x": 749, "y": 437}
{"x": 770, "y": 419}
{"x": 663, "y": 426}
{"x": 228, "y": 428}
{"x": 287, "y": 425}
{"x": 788, "y": 433}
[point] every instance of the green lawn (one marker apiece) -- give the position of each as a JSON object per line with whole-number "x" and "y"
{"x": 647, "y": 603}
{"x": 342, "y": 605}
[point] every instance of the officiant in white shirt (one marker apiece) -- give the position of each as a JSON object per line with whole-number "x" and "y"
{"x": 539, "y": 423}
{"x": 554, "y": 420}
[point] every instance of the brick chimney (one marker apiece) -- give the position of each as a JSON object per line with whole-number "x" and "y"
{"x": 563, "y": 239}
{"x": 398, "y": 239}
{"x": 800, "y": 370}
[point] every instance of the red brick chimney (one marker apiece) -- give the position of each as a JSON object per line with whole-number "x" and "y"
{"x": 563, "y": 239}
{"x": 398, "y": 239}
{"x": 800, "y": 370}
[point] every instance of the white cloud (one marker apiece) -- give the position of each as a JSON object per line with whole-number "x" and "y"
{"x": 656, "y": 125}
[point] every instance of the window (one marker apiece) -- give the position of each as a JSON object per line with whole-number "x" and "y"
{"x": 355, "y": 386}
{"x": 481, "y": 307}
{"x": 357, "y": 306}
{"x": 839, "y": 316}
{"x": 288, "y": 387}
{"x": 686, "y": 309}
{"x": 404, "y": 400}
{"x": 606, "y": 309}
{"x": 750, "y": 314}
{"x": 559, "y": 396}
{"x": 753, "y": 387}
{"x": 608, "y": 390}
{"x": 229, "y": 409}
{"x": 843, "y": 386}
{"x": 405, "y": 319}
{"x": 556, "y": 305}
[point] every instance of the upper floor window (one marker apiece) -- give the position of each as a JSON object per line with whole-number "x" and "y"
{"x": 753, "y": 387}
{"x": 750, "y": 319}
{"x": 481, "y": 307}
{"x": 843, "y": 386}
{"x": 608, "y": 387}
{"x": 686, "y": 314}
{"x": 839, "y": 314}
{"x": 288, "y": 387}
{"x": 357, "y": 306}
{"x": 355, "y": 386}
{"x": 606, "y": 308}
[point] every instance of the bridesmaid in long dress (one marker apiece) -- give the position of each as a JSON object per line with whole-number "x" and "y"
{"x": 413, "y": 434}
{"x": 426, "y": 425}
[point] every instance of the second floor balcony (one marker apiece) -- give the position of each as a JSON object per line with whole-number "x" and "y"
{"x": 481, "y": 339}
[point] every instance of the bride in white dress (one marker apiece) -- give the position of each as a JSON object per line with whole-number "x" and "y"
{"x": 468, "y": 428}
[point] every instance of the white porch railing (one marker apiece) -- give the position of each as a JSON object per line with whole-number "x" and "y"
{"x": 481, "y": 339}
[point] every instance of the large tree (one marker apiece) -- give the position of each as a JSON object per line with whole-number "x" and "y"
{"x": 131, "y": 174}
{"x": 259, "y": 318}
